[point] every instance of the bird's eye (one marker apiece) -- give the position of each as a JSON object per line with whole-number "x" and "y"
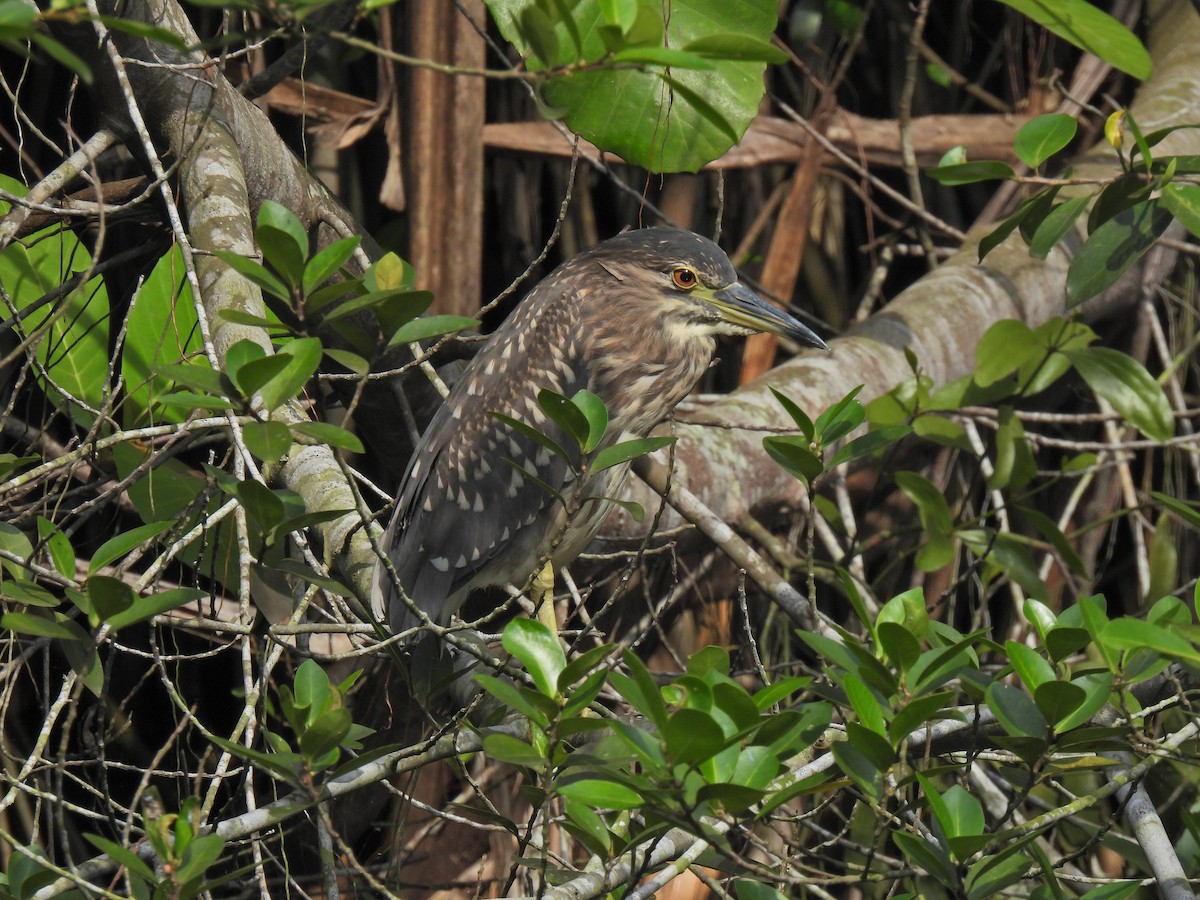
{"x": 684, "y": 278}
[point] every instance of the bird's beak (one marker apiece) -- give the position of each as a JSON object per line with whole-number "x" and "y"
{"x": 740, "y": 306}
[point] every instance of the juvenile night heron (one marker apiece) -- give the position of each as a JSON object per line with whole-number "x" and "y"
{"x": 633, "y": 320}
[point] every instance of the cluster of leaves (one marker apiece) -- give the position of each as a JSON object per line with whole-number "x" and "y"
{"x": 668, "y": 88}
{"x": 321, "y": 724}
{"x": 181, "y": 853}
{"x": 803, "y": 454}
{"x": 1123, "y": 218}
{"x": 584, "y": 419}
{"x": 316, "y": 292}
{"x": 701, "y": 746}
{"x": 1013, "y": 363}
{"x": 103, "y": 602}
{"x": 323, "y": 730}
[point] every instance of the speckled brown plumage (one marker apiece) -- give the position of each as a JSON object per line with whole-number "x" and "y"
{"x": 615, "y": 320}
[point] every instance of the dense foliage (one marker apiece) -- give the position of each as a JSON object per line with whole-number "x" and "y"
{"x": 948, "y": 646}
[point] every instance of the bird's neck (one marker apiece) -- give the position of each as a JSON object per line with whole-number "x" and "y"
{"x": 646, "y": 368}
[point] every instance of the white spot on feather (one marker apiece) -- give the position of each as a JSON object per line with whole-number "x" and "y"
{"x": 440, "y": 563}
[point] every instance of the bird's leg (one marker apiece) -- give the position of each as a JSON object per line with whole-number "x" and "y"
{"x": 541, "y": 592}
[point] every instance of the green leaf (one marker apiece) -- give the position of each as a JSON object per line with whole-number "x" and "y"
{"x": 1113, "y": 247}
{"x": 627, "y": 450}
{"x": 661, "y": 56}
{"x": 930, "y": 857}
{"x": 1015, "y": 711}
{"x": 1183, "y": 202}
{"x": 1057, "y": 700}
{"x": 122, "y": 856}
{"x": 1030, "y": 666}
{"x": 1127, "y": 633}
{"x": 513, "y": 697}
{"x": 589, "y": 827}
{"x": 640, "y": 690}
{"x": 37, "y": 626}
{"x": 109, "y": 596}
{"x": 1090, "y": 29}
{"x": 304, "y": 356}
{"x": 283, "y": 240}
{"x": 601, "y": 794}
{"x": 269, "y": 441}
{"x": 327, "y": 433}
{"x": 1125, "y": 383}
{"x": 931, "y": 504}
{"x": 146, "y": 608}
{"x": 1055, "y": 226}
{"x": 665, "y": 120}
{"x": 59, "y": 53}
{"x": 964, "y": 813}
{"x": 58, "y": 547}
{"x": 596, "y": 414}
{"x": 328, "y": 261}
{"x": 736, "y": 47}
{"x": 430, "y": 327}
{"x": 1042, "y": 137}
{"x": 799, "y": 416}
{"x": 533, "y": 434}
{"x": 254, "y": 272}
{"x": 537, "y": 647}
{"x": 793, "y": 453}
{"x": 971, "y": 172}
{"x": 1004, "y": 348}
{"x": 692, "y": 736}
{"x": 989, "y": 877}
{"x": 868, "y": 444}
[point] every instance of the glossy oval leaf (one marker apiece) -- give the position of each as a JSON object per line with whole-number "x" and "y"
{"x": 1113, "y": 247}
{"x": 537, "y": 647}
{"x": 1125, "y": 383}
{"x": 666, "y": 120}
{"x": 1090, "y": 29}
{"x": 1042, "y": 137}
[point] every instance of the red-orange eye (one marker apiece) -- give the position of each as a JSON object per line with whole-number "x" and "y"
{"x": 684, "y": 278}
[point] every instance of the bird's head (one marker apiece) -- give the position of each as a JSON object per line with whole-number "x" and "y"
{"x": 692, "y": 285}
